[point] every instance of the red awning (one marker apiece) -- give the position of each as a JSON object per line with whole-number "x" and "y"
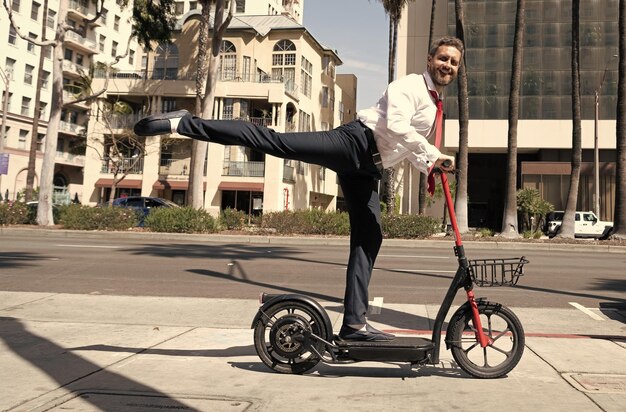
{"x": 242, "y": 186}
{"x": 124, "y": 184}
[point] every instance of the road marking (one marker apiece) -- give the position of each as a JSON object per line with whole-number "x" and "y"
{"x": 376, "y": 306}
{"x": 586, "y": 311}
{"x": 92, "y": 246}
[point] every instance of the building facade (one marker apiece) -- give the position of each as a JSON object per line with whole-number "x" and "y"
{"x": 545, "y": 126}
{"x": 272, "y": 73}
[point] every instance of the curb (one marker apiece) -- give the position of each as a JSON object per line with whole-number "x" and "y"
{"x": 444, "y": 242}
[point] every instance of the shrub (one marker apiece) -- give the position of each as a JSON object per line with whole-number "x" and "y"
{"x": 307, "y": 222}
{"x": 81, "y": 217}
{"x": 533, "y": 208}
{"x": 529, "y": 234}
{"x": 409, "y": 226}
{"x": 232, "y": 219}
{"x": 485, "y": 232}
{"x": 13, "y": 213}
{"x": 180, "y": 220}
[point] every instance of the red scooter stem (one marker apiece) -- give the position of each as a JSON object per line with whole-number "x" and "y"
{"x": 450, "y": 206}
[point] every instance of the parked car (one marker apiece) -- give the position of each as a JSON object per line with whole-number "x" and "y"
{"x": 586, "y": 224}
{"x": 143, "y": 204}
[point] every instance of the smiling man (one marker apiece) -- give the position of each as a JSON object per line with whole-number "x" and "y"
{"x": 401, "y": 126}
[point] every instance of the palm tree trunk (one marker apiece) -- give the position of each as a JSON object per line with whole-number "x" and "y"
{"x": 567, "y": 229}
{"x": 510, "y": 223}
{"x": 460, "y": 201}
{"x": 619, "y": 228}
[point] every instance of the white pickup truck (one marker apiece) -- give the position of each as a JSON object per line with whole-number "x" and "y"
{"x": 587, "y": 224}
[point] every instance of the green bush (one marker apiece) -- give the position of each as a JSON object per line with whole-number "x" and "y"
{"x": 307, "y": 222}
{"x": 485, "y": 232}
{"x": 232, "y": 219}
{"x": 180, "y": 220}
{"x": 80, "y": 217}
{"x": 529, "y": 234}
{"x": 13, "y": 213}
{"x": 410, "y": 226}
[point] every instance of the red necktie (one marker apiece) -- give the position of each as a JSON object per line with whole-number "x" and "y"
{"x": 438, "y": 131}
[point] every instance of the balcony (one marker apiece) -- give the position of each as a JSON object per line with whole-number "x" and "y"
{"x": 69, "y": 96}
{"x": 69, "y": 159}
{"x": 81, "y": 43}
{"x": 244, "y": 169}
{"x": 81, "y": 10}
{"x": 128, "y": 165}
{"x": 73, "y": 70}
{"x": 72, "y": 128}
{"x": 123, "y": 121}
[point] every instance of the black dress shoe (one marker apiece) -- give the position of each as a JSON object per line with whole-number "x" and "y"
{"x": 158, "y": 123}
{"x": 370, "y": 334}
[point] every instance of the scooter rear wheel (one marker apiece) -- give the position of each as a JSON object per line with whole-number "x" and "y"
{"x": 279, "y": 337}
{"x": 497, "y": 359}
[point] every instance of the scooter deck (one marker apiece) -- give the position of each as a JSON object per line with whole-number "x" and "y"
{"x": 401, "y": 349}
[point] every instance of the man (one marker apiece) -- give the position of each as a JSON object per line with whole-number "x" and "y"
{"x": 399, "y": 127}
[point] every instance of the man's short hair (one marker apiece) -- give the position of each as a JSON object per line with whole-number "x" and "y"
{"x": 446, "y": 41}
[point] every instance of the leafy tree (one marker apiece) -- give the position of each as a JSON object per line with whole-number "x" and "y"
{"x": 532, "y": 206}
{"x": 510, "y": 227}
{"x": 567, "y": 227}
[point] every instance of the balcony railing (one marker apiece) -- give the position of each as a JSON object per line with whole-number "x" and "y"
{"x": 72, "y": 128}
{"x": 244, "y": 169}
{"x": 124, "y": 121}
{"x": 179, "y": 167}
{"x": 91, "y": 44}
{"x": 128, "y": 165}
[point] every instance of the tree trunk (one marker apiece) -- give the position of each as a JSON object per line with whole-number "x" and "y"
{"x": 567, "y": 229}
{"x": 389, "y": 173}
{"x": 619, "y": 228}
{"x": 510, "y": 223}
{"x": 32, "y": 154}
{"x": 460, "y": 201}
{"x": 44, "y": 209}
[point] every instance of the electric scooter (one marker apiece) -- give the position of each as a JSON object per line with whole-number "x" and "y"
{"x": 293, "y": 333}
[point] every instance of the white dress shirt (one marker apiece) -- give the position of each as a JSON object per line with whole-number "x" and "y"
{"x": 403, "y": 122}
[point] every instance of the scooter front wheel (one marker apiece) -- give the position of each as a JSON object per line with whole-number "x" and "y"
{"x": 496, "y": 359}
{"x": 280, "y": 337}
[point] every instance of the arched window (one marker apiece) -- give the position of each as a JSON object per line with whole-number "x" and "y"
{"x": 284, "y": 61}
{"x": 166, "y": 62}
{"x": 228, "y": 61}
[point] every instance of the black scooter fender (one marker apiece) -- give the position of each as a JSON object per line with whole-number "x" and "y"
{"x": 461, "y": 311}
{"x": 307, "y": 300}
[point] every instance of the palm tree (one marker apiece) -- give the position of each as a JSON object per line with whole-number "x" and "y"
{"x": 393, "y": 8}
{"x": 510, "y": 227}
{"x": 199, "y": 148}
{"x": 567, "y": 227}
{"x": 619, "y": 229}
{"x": 460, "y": 201}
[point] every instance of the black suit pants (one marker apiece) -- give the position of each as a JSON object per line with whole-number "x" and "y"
{"x": 348, "y": 151}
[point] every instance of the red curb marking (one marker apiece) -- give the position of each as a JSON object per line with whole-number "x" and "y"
{"x": 529, "y": 335}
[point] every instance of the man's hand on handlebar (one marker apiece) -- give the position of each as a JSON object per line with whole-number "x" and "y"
{"x": 445, "y": 163}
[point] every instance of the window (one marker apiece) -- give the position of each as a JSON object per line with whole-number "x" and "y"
{"x": 101, "y": 41}
{"x": 34, "y": 11}
{"x": 116, "y": 23}
{"x": 28, "y": 74}
{"x": 79, "y": 59}
{"x": 40, "y": 140}
{"x": 168, "y": 105}
{"x": 228, "y": 61}
{"x": 166, "y": 62}
{"x": 131, "y": 57}
{"x": 51, "y": 15}
{"x": 47, "y": 52}
{"x": 241, "y": 6}
{"x": 31, "y": 46}
{"x": 25, "y": 106}
{"x": 304, "y": 122}
{"x": 283, "y": 63}
{"x": 42, "y": 110}
{"x": 114, "y": 49}
{"x": 227, "y": 114}
{"x": 69, "y": 54}
{"x": 22, "y": 139}
{"x": 325, "y": 96}
{"x": 193, "y": 5}
{"x": 306, "y": 76}
{"x": 12, "y": 35}
{"x": 8, "y": 103}
{"x": 247, "y": 68}
{"x": 10, "y": 64}
{"x": 15, "y": 6}
{"x": 179, "y": 7}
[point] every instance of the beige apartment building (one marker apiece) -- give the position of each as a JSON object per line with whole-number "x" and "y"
{"x": 272, "y": 73}
{"x": 19, "y": 62}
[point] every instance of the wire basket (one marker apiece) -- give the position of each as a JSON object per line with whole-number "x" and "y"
{"x": 497, "y": 272}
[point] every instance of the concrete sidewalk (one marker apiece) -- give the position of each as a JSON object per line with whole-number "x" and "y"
{"x": 118, "y": 353}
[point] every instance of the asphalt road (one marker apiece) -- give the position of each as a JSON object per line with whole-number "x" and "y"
{"x": 122, "y": 266}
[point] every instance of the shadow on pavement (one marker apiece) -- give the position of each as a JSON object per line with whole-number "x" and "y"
{"x": 247, "y": 350}
{"x": 65, "y": 367}
{"x": 19, "y": 259}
